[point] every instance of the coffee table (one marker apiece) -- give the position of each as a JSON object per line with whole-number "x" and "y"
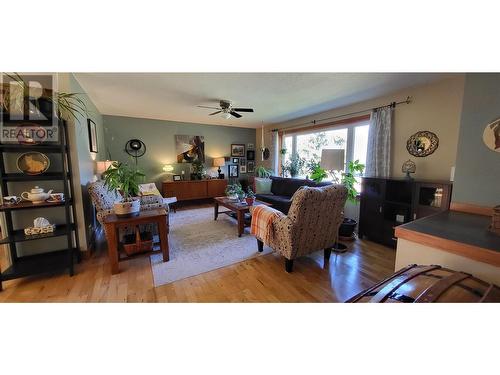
{"x": 235, "y": 208}
{"x": 113, "y": 223}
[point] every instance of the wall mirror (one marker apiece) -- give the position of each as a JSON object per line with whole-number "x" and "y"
{"x": 422, "y": 143}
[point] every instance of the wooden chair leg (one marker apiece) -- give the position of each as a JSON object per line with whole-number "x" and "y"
{"x": 260, "y": 245}
{"x": 328, "y": 252}
{"x": 288, "y": 265}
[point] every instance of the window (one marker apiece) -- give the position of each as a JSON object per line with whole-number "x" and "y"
{"x": 353, "y": 138}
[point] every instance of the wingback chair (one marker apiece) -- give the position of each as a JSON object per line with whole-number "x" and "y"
{"x": 312, "y": 223}
{"x": 103, "y": 200}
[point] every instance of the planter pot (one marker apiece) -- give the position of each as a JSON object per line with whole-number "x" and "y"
{"x": 250, "y": 201}
{"x": 347, "y": 227}
{"x": 127, "y": 209}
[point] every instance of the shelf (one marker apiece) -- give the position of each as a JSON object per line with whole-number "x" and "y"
{"x": 19, "y": 236}
{"x": 37, "y": 264}
{"x": 38, "y": 177}
{"x": 41, "y": 148}
{"x": 398, "y": 203}
{"x": 28, "y": 205}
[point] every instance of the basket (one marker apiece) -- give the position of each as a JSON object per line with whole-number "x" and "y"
{"x": 495, "y": 220}
{"x": 143, "y": 243}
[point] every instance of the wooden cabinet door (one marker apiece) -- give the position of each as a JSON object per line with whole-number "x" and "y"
{"x": 371, "y": 215}
{"x": 216, "y": 188}
{"x": 185, "y": 190}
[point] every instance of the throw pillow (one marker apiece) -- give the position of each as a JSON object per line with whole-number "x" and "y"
{"x": 262, "y": 185}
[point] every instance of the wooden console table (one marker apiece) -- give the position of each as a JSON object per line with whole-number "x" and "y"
{"x": 113, "y": 223}
{"x": 194, "y": 189}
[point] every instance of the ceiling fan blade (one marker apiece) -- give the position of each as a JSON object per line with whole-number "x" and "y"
{"x": 204, "y": 106}
{"x": 211, "y": 114}
{"x": 243, "y": 109}
{"x": 235, "y": 114}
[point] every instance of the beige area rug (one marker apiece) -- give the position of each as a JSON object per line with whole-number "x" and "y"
{"x": 200, "y": 244}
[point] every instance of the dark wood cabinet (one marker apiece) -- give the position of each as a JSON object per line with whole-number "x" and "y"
{"x": 389, "y": 202}
{"x": 195, "y": 189}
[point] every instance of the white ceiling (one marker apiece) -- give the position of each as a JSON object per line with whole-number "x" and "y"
{"x": 275, "y": 97}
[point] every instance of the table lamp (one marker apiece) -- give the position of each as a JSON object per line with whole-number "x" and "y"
{"x": 219, "y": 162}
{"x": 332, "y": 160}
{"x": 168, "y": 168}
{"x": 102, "y": 166}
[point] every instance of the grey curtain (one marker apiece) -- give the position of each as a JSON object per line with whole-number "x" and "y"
{"x": 378, "y": 157}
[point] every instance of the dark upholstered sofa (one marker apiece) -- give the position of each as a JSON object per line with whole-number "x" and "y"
{"x": 282, "y": 190}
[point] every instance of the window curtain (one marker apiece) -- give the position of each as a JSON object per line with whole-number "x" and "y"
{"x": 274, "y": 151}
{"x": 378, "y": 156}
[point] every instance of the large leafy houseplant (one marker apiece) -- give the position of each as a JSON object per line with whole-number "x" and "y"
{"x": 354, "y": 168}
{"x": 318, "y": 174}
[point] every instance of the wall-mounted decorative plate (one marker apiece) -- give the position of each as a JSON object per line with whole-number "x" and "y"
{"x": 422, "y": 143}
{"x": 491, "y": 135}
{"x": 33, "y": 163}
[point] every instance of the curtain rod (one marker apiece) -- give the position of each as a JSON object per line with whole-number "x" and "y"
{"x": 314, "y": 122}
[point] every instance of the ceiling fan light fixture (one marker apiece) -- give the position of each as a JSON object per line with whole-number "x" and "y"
{"x": 225, "y": 115}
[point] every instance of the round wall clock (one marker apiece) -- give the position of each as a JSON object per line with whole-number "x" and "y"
{"x": 422, "y": 143}
{"x": 33, "y": 163}
{"x": 491, "y": 135}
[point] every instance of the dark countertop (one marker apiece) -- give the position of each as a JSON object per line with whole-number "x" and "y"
{"x": 456, "y": 226}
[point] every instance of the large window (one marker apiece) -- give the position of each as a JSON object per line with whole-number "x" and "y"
{"x": 307, "y": 146}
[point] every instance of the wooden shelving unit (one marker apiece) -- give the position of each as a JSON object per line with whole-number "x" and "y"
{"x": 56, "y": 259}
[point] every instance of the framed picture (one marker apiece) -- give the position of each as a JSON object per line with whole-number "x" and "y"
{"x": 243, "y": 162}
{"x": 238, "y": 150}
{"x": 233, "y": 170}
{"x": 177, "y": 177}
{"x": 251, "y": 167}
{"x": 92, "y": 135}
{"x": 243, "y": 169}
{"x": 190, "y": 148}
{"x": 235, "y": 160}
{"x": 250, "y": 155}
{"x": 250, "y": 146}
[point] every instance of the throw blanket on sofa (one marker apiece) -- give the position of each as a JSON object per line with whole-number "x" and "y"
{"x": 262, "y": 222}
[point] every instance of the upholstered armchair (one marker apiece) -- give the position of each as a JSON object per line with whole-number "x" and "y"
{"x": 103, "y": 200}
{"x": 312, "y": 223}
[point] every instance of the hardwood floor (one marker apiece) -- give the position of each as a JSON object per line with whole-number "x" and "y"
{"x": 261, "y": 279}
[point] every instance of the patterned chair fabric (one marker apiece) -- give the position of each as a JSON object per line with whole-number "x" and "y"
{"x": 312, "y": 222}
{"x": 103, "y": 200}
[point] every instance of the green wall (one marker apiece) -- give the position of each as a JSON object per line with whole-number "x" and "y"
{"x": 477, "y": 175}
{"x": 159, "y": 137}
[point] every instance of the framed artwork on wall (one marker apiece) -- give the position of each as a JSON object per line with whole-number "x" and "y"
{"x": 250, "y": 155}
{"x": 251, "y": 167}
{"x": 190, "y": 148}
{"x": 243, "y": 169}
{"x": 235, "y": 160}
{"x": 250, "y": 146}
{"x": 92, "y": 129}
{"x": 233, "y": 170}
{"x": 243, "y": 162}
{"x": 238, "y": 150}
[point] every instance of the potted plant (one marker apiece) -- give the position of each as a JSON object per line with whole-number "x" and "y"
{"x": 234, "y": 191}
{"x": 197, "y": 168}
{"x": 349, "y": 181}
{"x": 318, "y": 174}
{"x": 294, "y": 165}
{"x": 250, "y": 197}
{"x": 125, "y": 179}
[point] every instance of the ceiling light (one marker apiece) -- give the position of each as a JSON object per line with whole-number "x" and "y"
{"x": 225, "y": 115}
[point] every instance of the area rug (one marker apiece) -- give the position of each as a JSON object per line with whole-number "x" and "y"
{"x": 200, "y": 244}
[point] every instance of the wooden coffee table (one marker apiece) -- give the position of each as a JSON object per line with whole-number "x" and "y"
{"x": 235, "y": 208}
{"x": 113, "y": 223}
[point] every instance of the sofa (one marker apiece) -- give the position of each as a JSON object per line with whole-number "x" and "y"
{"x": 282, "y": 190}
{"x": 311, "y": 224}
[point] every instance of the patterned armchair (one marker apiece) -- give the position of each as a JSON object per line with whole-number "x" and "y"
{"x": 103, "y": 200}
{"x": 312, "y": 223}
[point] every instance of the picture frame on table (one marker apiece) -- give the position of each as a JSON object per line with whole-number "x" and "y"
{"x": 176, "y": 177}
{"x": 238, "y": 150}
{"x": 92, "y": 130}
{"x": 235, "y": 160}
{"x": 251, "y": 167}
{"x": 233, "y": 170}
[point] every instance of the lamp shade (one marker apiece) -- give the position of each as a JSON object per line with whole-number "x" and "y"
{"x": 332, "y": 159}
{"x": 102, "y": 166}
{"x": 219, "y": 162}
{"x": 168, "y": 168}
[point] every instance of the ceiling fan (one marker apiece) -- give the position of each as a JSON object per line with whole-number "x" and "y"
{"x": 227, "y": 110}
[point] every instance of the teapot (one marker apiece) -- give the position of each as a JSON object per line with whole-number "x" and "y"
{"x": 36, "y": 195}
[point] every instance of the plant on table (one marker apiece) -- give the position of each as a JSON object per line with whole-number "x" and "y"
{"x": 198, "y": 168}
{"x": 235, "y": 191}
{"x": 125, "y": 179}
{"x": 250, "y": 196}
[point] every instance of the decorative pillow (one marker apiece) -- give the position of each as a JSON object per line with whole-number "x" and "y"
{"x": 148, "y": 189}
{"x": 263, "y": 185}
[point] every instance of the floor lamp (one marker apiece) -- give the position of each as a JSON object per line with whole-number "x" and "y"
{"x": 332, "y": 160}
